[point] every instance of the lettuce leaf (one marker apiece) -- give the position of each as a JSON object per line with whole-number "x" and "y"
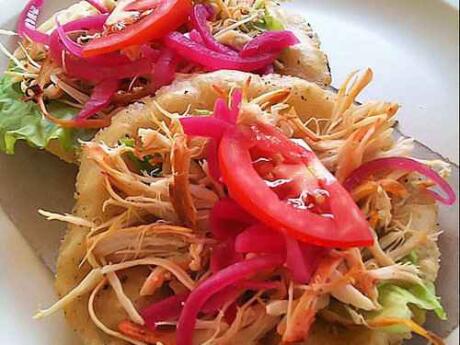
{"x": 397, "y": 303}
{"x": 269, "y": 21}
{"x": 143, "y": 166}
{"x": 21, "y": 120}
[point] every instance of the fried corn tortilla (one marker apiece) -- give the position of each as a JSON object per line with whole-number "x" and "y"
{"x": 193, "y": 95}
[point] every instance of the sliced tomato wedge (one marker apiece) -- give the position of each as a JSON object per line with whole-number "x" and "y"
{"x": 157, "y": 18}
{"x": 285, "y": 186}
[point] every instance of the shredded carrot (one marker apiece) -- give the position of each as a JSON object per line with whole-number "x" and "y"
{"x": 370, "y": 187}
{"x": 245, "y": 89}
{"x": 364, "y": 190}
{"x": 374, "y": 219}
{"x": 394, "y": 187}
{"x": 274, "y": 97}
{"x": 303, "y": 315}
{"x": 309, "y": 136}
{"x": 414, "y": 327}
{"x": 425, "y": 184}
{"x": 220, "y": 91}
{"x": 88, "y": 124}
{"x": 146, "y": 335}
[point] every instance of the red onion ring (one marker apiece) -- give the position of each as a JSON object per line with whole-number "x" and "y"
{"x": 100, "y": 98}
{"x": 27, "y": 23}
{"x": 97, "y": 69}
{"x": 402, "y": 164}
{"x": 269, "y": 42}
{"x": 165, "y": 69}
{"x": 213, "y": 60}
{"x": 199, "y": 17}
{"x": 229, "y": 276}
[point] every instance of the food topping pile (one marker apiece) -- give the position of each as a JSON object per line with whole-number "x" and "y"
{"x": 259, "y": 227}
{"x": 86, "y": 62}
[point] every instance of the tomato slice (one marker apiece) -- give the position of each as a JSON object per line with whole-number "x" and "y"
{"x": 165, "y": 17}
{"x": 299, "y": 196}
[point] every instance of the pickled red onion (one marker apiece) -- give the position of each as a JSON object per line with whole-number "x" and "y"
{"x": 260, "y": 239}
{"x": 402, "y": 164}
{"x": 27, "y": 23}
{"x": 213, "y": 60}
{"x": 196, "y": 37}
{"x": 218, "y": 282}
{"x": 208, "y": 127}
{"x": 227, "y": 219}
{"x": 100, "y": 98}
{"x": 224, "y": 255}
{"x": 96, "y": 69}
{"x": 165, "y": 69}
{"x": 73, "y": 47}
{"x": 237, "y": 98}
{"x": 269, "y": 42}
{"x": 164, "y": 310}
{"x": 295, "y": 261}
{"x": 199, "y": 17}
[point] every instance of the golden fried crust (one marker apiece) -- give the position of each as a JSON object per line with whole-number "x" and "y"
{"x": 305, "y": 60}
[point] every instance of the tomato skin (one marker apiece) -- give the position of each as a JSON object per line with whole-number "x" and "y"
{"x": 167, "y": 17}
{"x": 349, "y": 228}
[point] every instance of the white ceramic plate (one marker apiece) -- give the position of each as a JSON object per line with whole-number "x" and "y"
{"x": 412, "y": 45}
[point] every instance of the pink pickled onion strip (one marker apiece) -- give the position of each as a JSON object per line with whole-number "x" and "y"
{"x": 208, "y": 127}
{"x": 85, "y": 70}
{"x": 149, "y": 53}
{"x": 199, "y": 17}
{"x": 402, "y": 164}
{"x": 89, "y": 23}
{"x": 110, "y": 66}
{"x": 224, "y": 255}
{"x": 27, "y": 23}
{"x": 237, "y": 98}
{"x": 100, "y": 98}
{"x": 301, "y": 259}
{"x": 213, "y": 60}
{"x": 269, "y": 42}
{"x": 165, "y": 69}
{"x": 227, "y": 219}
{"x": 86, "y": 24}
{"x": 221, "y": 110}
{"x": 231, "y": 293}
{"x": 213, "y": 161}
{"x": 295, "y": 261}
{"x": 196, "y": 37}
{"x": 98, "y": 6}
{"x": 73, "y": 47}
{"x": 220, "y": 299}
{"x": 212, "y": 127}
{"x": 260, "y": 239}
{"x": 165, "y": 310}
{"x": 227, "y": 277}
{"x": 257, "y": 285}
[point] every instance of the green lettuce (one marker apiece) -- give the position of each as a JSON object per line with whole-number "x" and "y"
{"x": 144, "y": 165}
{"x": 399, "y": 302}
{"x": 269, "y": 21}
{"x": 23, "y": 120}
